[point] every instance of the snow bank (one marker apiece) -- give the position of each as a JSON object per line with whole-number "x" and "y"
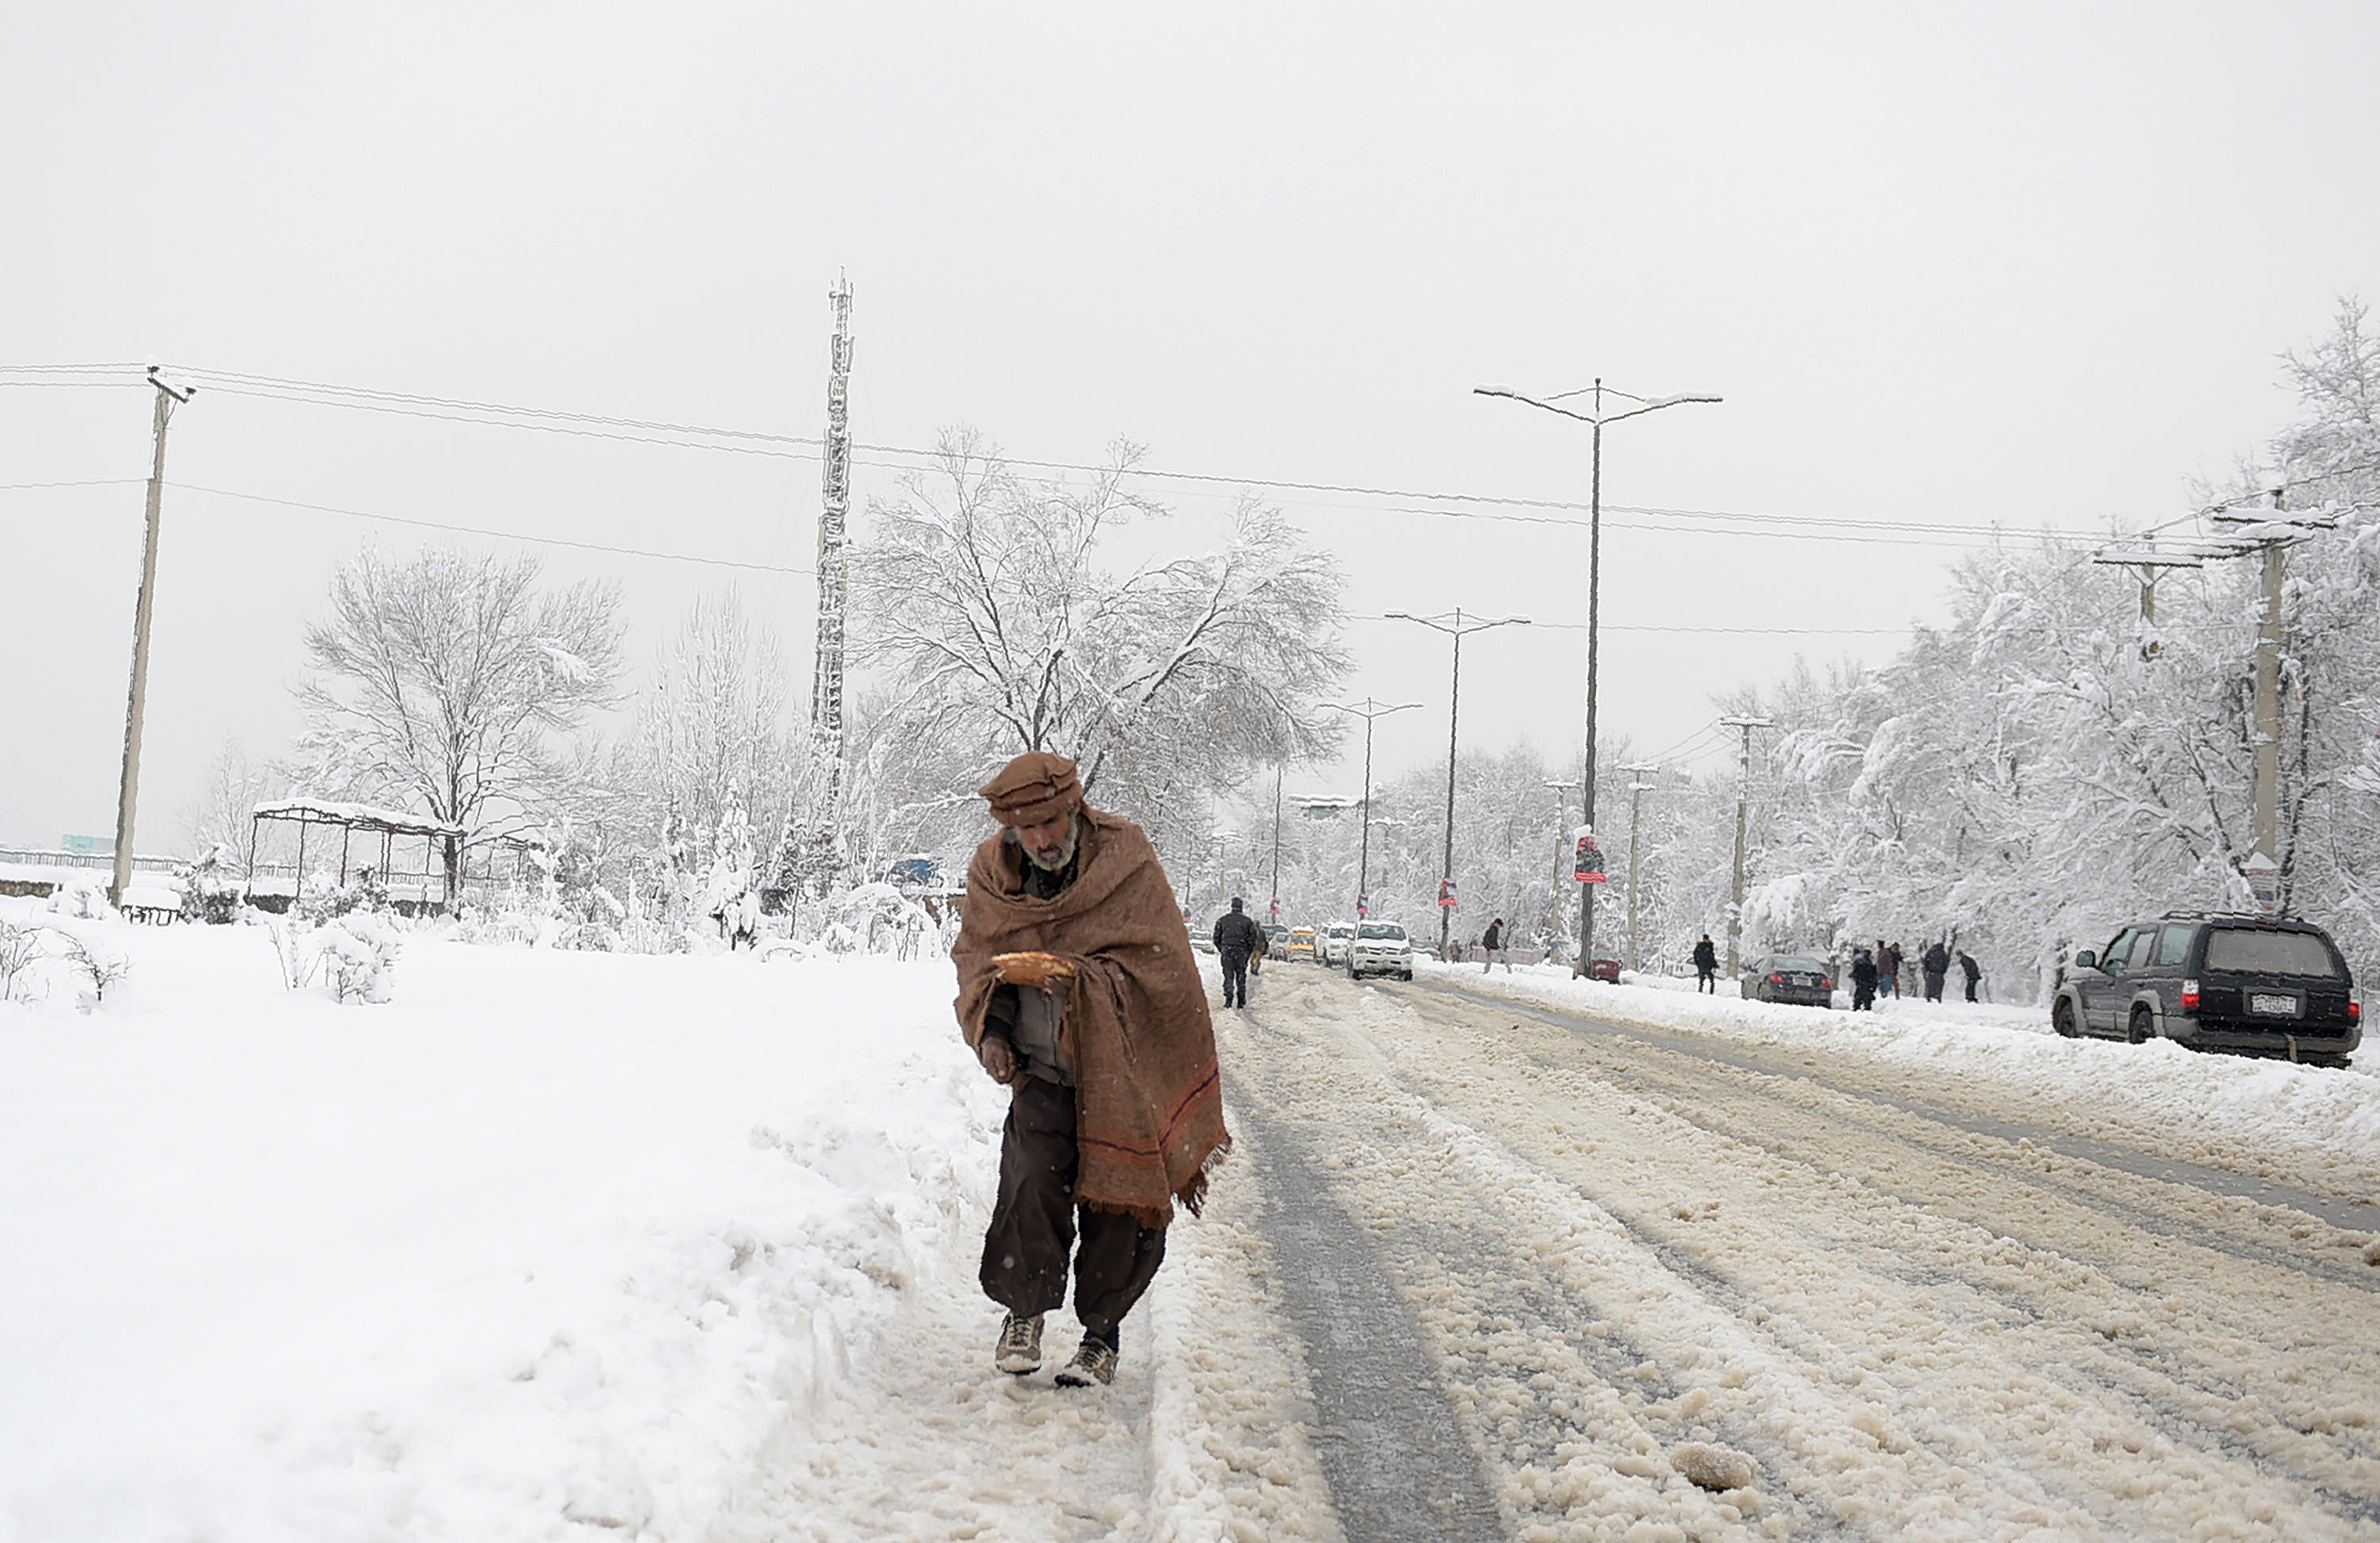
{"x": 548, "y": 1243}
{"x": 2326, "y": 1118}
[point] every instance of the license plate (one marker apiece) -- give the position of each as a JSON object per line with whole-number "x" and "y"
{"x": 2281, "y": 1007}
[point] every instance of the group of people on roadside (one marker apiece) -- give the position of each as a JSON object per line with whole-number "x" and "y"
{"x": 1877, "y": 973}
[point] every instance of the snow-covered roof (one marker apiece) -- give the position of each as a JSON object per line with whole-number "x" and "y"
{"x": 358, "y": 816}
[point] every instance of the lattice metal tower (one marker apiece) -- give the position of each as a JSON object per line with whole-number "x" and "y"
{"x": 833, "y": 562}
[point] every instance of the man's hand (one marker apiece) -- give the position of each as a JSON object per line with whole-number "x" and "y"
{"x": 999, "y": 1057}
{"x": 1033, "y": 968}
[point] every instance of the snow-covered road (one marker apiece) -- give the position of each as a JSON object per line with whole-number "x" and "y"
{"x": 1912, "y": 1323}
{"x": 1889, "y": 1295}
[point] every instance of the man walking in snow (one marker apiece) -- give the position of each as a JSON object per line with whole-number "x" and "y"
{"x": 1078, "y": 989}
{"x": 1863, "y": 974}
{"x": 1937, "y": 963}
{"x": 1237, "y": 939}
{"x": 1971, "y": 970}
{"x": 1491, "y": 943}
{"x": 1706, "y": 966}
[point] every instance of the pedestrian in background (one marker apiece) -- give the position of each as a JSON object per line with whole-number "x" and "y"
{"x": 1492, "y": 944}
{"x": 1938, "y": 965}
{"x": 1706, "y": 966}
{"x": 1863, "y": 976}
{"x": 1971, "y": 970}
{"x": 1237, "y": 939}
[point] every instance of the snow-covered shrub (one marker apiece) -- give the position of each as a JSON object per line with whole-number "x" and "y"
{"x": 81, "y": 897}
{"x": 211, "y": 888}
{"x": 85, "y": 948}
{"x": 877, "y": 919}
{"x": 356, "y": 954}
{"x": 359, "y": 952}
{"x": 20, "y": 948}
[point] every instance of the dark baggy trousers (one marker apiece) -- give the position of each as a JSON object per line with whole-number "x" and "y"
{"x": 1933, "y": 986}
{"x": 1863, "y": 998}
{"x": 1236, "y": 979}
{"x": 1706, "y": 981}
{"x": 1034, "y": 1222}
{"x": 1971, "y": 986}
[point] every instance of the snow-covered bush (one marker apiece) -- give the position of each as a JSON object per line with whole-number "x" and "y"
{"x": 877, "y": 919}
{"x": 211, "y": 888}
{"x": 81, "y": 897}
{"x": 20, "y": 949}
{"x": 358, "y": 953}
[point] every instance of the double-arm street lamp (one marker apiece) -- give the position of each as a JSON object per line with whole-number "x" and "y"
{"x": 1632, "y": 407}
{"x": 1368, "y": 710}
{"x": 1454, "y": 626}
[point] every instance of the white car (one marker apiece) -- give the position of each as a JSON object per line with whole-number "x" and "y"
{"x": 1380, "y": 948}
{"x": 1333, "y": 940}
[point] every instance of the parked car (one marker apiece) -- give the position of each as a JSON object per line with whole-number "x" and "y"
{"x": 1791, "y": 977}
{"x": 1276, "y": 940}
{"x": 1335, "y": 939}
{"x": 1300, "y": 944}
{"x": 1603, "y": 969}
{"x": 1379, "y": 948}
{"x": 2262, "y": 986}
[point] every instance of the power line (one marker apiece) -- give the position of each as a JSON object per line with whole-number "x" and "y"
{"x": 1486, "y": 507}
{"x": 496, "y": 535}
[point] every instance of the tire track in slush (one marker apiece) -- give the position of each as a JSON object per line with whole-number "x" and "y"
{"x": 1399, "y": 1468}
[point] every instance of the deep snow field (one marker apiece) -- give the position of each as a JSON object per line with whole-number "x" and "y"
{"x": 551, "y": 1239}
{"x": 557, "y": 1245}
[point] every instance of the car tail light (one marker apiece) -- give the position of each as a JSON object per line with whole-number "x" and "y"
{"x": 1824, "y": 984}
{"x": 2354, "y": 1010}
{"x": 2190, "y": 995}
{"x": 1777, "y": 978}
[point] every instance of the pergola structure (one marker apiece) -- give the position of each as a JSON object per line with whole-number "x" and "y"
{"x": 349, "y": 820}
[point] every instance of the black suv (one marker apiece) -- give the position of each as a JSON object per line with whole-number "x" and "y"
{"x": 2218, "y": 982}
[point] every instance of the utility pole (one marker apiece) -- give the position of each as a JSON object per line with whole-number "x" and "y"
{"x": 1273, "y": 911}
{"x": 1455, "y": 628}
{"x": 1561, "y": 791}
{"x": 1637, "y": 788}
{"x": 127, "y": 790}
{"x": 2267, "y": 532}
{"x": 1367, "y": 711}
{"x": 1743, "y": 786}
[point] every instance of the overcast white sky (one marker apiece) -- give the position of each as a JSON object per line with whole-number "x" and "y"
{"x": 2030, "y": 263}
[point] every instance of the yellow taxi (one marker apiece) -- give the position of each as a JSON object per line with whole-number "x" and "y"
{"x": 1300, "y": 944}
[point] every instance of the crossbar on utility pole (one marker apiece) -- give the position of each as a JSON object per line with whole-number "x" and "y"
{"x": 127, "y": 790}
{"x": 1742, "y": 786}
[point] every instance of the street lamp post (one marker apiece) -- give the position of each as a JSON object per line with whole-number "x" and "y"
{"x": 1367, "y": 711}
{"x": 1598, "y": 418}
{"x": 1454, "y": 626}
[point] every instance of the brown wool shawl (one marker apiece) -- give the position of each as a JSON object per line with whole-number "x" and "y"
{"x": 1148, "y": 1096}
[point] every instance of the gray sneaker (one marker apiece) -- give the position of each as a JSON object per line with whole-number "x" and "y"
{"x": 1094, "y": 1363}
{"x": 1019, "y": 1351}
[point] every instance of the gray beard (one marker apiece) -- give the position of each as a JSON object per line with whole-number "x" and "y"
{"x": 1066, "y": 853}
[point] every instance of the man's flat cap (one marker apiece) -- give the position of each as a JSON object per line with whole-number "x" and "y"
{"x": 1035, "y": 787}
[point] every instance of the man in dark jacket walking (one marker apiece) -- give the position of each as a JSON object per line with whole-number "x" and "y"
{"x": 1706, "y": 966}
{"x": 1862, "y": 981}
{"x": 1491, "y": 942}
{"x": 1937, "y": 964}
{"x": 1237, "y": 937}
{"x": 1971, "y": 970}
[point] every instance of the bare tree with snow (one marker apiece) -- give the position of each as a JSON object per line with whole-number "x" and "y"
{"x": 988, "y": 604}
{"x": 441, "y": 684}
